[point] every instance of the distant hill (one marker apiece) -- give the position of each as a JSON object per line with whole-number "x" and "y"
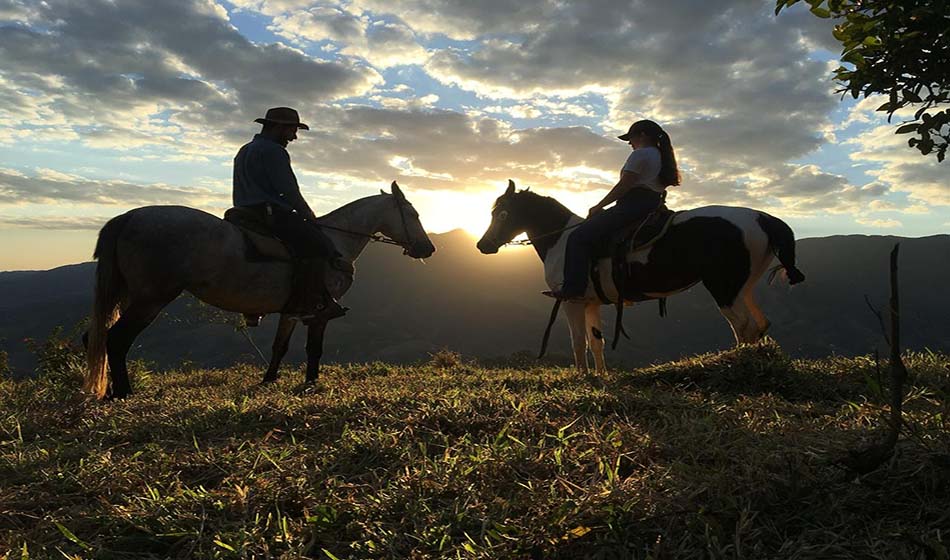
{"x": 490, "y": 307}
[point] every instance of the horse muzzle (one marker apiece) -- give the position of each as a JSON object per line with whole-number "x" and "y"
{"x": 487, "y": 247}
{"x": 417, "y": 252}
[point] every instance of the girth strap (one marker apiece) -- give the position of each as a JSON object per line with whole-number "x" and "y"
{"x": 595, "y": 280}
{"x": 547, "y": 331}
{"x": 618, "y": 327}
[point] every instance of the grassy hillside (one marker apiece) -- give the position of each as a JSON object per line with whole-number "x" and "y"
{"x": 718, "y": 456}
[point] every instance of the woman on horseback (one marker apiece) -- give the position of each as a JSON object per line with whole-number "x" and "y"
{"x": 649, "y": 170}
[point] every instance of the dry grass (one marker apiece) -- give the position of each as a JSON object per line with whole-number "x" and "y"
{"x": 719, "y": 456}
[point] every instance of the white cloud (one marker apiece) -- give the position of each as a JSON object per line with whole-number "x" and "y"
{"x": 881, "y": 223}
{"x": 107, "y": 69}
{"x": 926, "y": 181}
{"x": 51, "y": 187}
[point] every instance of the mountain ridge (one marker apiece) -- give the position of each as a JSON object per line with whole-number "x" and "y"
{"x": 490, "y": 307}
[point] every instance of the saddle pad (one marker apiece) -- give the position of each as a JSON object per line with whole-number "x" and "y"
{"x": 650, "y": 232}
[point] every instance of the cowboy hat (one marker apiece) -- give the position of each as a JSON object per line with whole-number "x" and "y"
{"x": 282, "y": 115}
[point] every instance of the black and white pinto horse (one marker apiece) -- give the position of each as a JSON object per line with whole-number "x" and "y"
{"x": 148, "y": 256}
{"x": 726, "y": 248}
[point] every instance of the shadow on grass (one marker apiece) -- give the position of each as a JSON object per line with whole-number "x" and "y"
{"x": 717, "y": 456}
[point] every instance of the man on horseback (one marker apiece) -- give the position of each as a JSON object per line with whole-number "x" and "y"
{"x": 265, "y": 183}
{"x": 641, "y": 190}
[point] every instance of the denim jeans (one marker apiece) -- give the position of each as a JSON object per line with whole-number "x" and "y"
{"x": 303, "y": 238}
{"x": 633, "y": 206}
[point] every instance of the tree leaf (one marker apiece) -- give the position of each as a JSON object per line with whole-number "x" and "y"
{"x": 854, "y": 57}
{"x": 821, "y": 12}
{"x": 912, "y": 127}
{"x": 782, "y": 4}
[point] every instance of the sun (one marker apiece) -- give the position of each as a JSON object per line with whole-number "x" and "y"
{"x": 442, "y": 211}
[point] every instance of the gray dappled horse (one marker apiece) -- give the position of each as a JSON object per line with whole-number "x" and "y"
{"x": 726, "y": 248}
{"x": 148, "y": 256}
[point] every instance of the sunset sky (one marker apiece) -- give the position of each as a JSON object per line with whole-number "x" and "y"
{"x": 110, "y": 105}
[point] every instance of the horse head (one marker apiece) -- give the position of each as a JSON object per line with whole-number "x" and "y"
{"x": 506, "y": 223}
{"x": 401, "y": 224}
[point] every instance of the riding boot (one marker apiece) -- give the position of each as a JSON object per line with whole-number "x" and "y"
{"x": 310, "y": 300}
{"x": 326, "y": 305}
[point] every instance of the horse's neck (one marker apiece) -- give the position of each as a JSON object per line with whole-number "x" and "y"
{"x": 362, "y": 217}
{"x": 544, "y": 229}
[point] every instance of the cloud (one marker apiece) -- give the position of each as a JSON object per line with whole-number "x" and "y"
{"x": 366, "y": 142}
{"x": 54, "y": 222}
{"x": 177, "y": 70}
{"x": 879, "y": 223}
{"x": 901, "y": 168}
{"x": 464, "y": 19}
{"x": 46, "y": 186}
{"x": 741, "y": 93}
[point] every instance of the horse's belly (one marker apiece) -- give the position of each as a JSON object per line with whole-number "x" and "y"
{"x": 248, "y": 288}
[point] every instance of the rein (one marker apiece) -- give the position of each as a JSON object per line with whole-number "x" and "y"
{"x": 378, "y": 237}
{"x": 523, "y": 242}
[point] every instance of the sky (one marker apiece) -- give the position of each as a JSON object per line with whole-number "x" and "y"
{"x": 108, "y": 105}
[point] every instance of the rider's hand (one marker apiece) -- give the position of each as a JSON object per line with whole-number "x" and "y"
{"x": 594, "y": 210}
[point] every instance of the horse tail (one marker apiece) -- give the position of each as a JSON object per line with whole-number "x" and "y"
{"x": 105, "y": 310}
{"x": 782, "y": 243}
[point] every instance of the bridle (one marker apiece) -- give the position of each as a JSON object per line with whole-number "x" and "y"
{"x": 526, "y": 242}
{"x": 378, "y": 237}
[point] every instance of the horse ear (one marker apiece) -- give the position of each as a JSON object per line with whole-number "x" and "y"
{"x": 511, "y": 187}
{"x": 381, "y": 191}
{"x": 397, "y": 191}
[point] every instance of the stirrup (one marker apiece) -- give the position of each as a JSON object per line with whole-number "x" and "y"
{"x": 324, "y": 313}
{"x": 558, "y": 295}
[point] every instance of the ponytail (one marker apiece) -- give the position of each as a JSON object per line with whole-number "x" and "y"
{"x": 669, "y": 173}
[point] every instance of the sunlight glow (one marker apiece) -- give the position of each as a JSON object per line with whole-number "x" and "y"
{"x": 442, "y": 211}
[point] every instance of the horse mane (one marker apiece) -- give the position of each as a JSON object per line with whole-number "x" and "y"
{"x": 346, "y": 207}
{"x": 526, "y": 198}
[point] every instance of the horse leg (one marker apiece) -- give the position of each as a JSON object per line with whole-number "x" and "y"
{"x": 741, "y": 320}
{"x": 314, "y": 350}
{"x": 574, "y": 310}
{"x": 595, "y": 335}
{"x": 133, "y": 321}
{"x": 760, "y": 320}
{"x": 285, "y": 328}
{"x": 763, "y": 262}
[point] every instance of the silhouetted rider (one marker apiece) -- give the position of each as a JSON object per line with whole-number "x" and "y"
{"x": 646, "y": 174}
{"x": 265, "y": 183}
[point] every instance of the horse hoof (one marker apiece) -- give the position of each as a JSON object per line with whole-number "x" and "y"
{"x": 310, "y": 387}
{"x": 268, "y": 381}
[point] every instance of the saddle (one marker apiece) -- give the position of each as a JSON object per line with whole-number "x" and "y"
{"x": 260, "y": 243}
{"x": 637, "y": 235}
{"x": 629, "y": 239}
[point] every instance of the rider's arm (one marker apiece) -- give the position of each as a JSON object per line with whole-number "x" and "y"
{"x": 628, "y": 180}
{"x": 282, "y": 177}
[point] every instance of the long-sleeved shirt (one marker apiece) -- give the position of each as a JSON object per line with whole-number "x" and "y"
{"x": 262, "y": 174}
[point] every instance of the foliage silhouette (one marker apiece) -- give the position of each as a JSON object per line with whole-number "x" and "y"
{"x": 899, "y": 49}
